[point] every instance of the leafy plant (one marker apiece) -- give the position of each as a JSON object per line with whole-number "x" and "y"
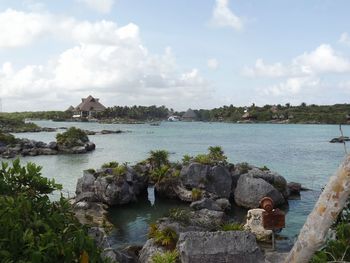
{"x": 244, "y": 168}
{"x": 72, "y": 137}
{"x": 35, "y": 229}
{"x": 216, "y": 154}
{"x": 158, "y": 158}
{"x": 231, "y": 227}
{"x": 110, "y": 165}
{"x": 196, "y": 194}
{"x": 166, "y": 237}
{"x": 120, "y": 170}
{"x": 160, "y": 173}
{"x": 186, "y": 159}
{"x": 203, "y": 159}
{"x": 166, "y": 257}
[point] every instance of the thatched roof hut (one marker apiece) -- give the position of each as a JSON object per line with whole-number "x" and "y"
{"x": 90, "y": 104}
{"x": 70, "y": 109}
{"x": 189, "y": 115}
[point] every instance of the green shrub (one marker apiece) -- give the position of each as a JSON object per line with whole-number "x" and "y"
{"x": 160, "y": 173}
{"x": 216, "y": 154}
{"x": 110, "y": 165}
{"x": 120, "y": 170}
{"x": 158, "y": 158}
{"x": 203, "y": 159}
{"x": 6, "y": 138}
{"x": 166, "y": 237}
{"x": 186, "y": 159}
{"x": 35, "y": 229}
{"x": 196, "y": 194}
{"x": 243, "y": 168}
{"x": 231, "y": 227}
{"x": 72, "y": 137}
{"x": 264, "y": 168}
{"x": 179, "y": 214}
{"x": 166, "y": 257}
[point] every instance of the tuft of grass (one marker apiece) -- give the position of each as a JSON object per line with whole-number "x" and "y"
{"x": 166, "y": 237}
{"x": 196, "y": 194}
{"x": 231, "y": 227}
{"x": 264, "y": 168}
{"x": 166, "y": 257}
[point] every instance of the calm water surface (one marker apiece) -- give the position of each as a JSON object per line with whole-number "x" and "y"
{"x": 300, "y": 153}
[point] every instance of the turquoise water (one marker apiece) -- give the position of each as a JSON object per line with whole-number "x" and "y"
{"x": 300, "y": 153}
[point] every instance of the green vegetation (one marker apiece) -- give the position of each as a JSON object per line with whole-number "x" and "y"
{"x": 196, "y": 194}
{"x": 15, "y": 124}
{"x": 72, "y": 137}
{"x": 140, "y": 113}
{"x": 35, "y": 229}
{"x": 110, "y": 165}
{"x": 166, "y": 237}
{"x": 243, "y": 168}
{"x": 158, "y": 158}
{"x": 264, "y": 168}
{"x": 166, "y": 257}
{"x": 330, "y": 114}
{"x": 337, "y": 248}
{"x": 120, "y": 170}
{"x": 160, "y": 173}
{"x": 231, "y": 227}
{"x": 7, "y": 139}
{"x": 186, "y": 159}
{"x": 39, "y": 115}
{"x": 179, "y": 214}
{"x": 214, "y": 157}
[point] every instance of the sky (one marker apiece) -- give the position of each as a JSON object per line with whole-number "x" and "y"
{"x": 181, "y": 54}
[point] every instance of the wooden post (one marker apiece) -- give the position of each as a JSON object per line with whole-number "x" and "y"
{"x": 330, "y": 203}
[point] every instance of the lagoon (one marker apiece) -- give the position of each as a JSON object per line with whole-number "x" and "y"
{"x": 300, "y": 153}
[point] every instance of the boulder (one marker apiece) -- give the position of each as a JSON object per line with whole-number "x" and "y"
{"x": 214, "y": 179}
{"x": 254, "y": 224}
{"x": 221, "y": 204}
{"x": 53, "y": 145}
{"x": 194, "y": 175}
{"x": 208, "y": 219}
{"x": 273, "y": 178}
{"x": 149, "y": 250}
{"x": 90, "y": 146}
{"x": 220, "y": 246}
{"x": 251, "y": 190}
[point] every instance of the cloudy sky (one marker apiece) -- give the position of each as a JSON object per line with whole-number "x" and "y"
{"x": 183, "y": 53}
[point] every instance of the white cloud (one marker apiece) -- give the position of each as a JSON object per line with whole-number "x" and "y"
{"x": 20, "y": 29}
{"x": 261, "y": 69}
{"x": 213, "y": 63}
{"x": 224, "y": 17}
{"x": 302, "y": 75}
{"x": 323, "y": 60}
{"x": 107, "y": 61}
{"x": 101, "y": 6}
{"x": 345, "y": 39}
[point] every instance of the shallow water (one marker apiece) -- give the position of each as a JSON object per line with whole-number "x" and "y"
{"x": 300, "y": 153}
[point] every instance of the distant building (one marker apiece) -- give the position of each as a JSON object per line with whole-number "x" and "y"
{"x": 88, "y": 108}
{"x": 189, "y": 115}
{"x": 70, "y": 109}
{"x": 174, "y": 118}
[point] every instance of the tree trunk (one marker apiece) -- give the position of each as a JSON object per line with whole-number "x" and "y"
{"x": 330, "y": 203}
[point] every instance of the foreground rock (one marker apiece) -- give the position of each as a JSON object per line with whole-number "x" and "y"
{"x": 110, "y": 188}
{"x": 221, "y": 204}
{"x": 213, "y": 247}
{"x": 149, "y": 250}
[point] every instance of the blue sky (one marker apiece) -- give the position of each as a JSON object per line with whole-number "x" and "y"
{"x": 183, "y": 53}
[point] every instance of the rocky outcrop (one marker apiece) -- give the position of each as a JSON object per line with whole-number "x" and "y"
{"x": 26, "y": 147}
{"x": 109, "y": 188}
{"x": 254, "y": 224}
{"x": 250, "y": 190}
{"x": 214, "y": 179}
{"x": 340, "y": 139}
{"x": 212, "y": 247}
